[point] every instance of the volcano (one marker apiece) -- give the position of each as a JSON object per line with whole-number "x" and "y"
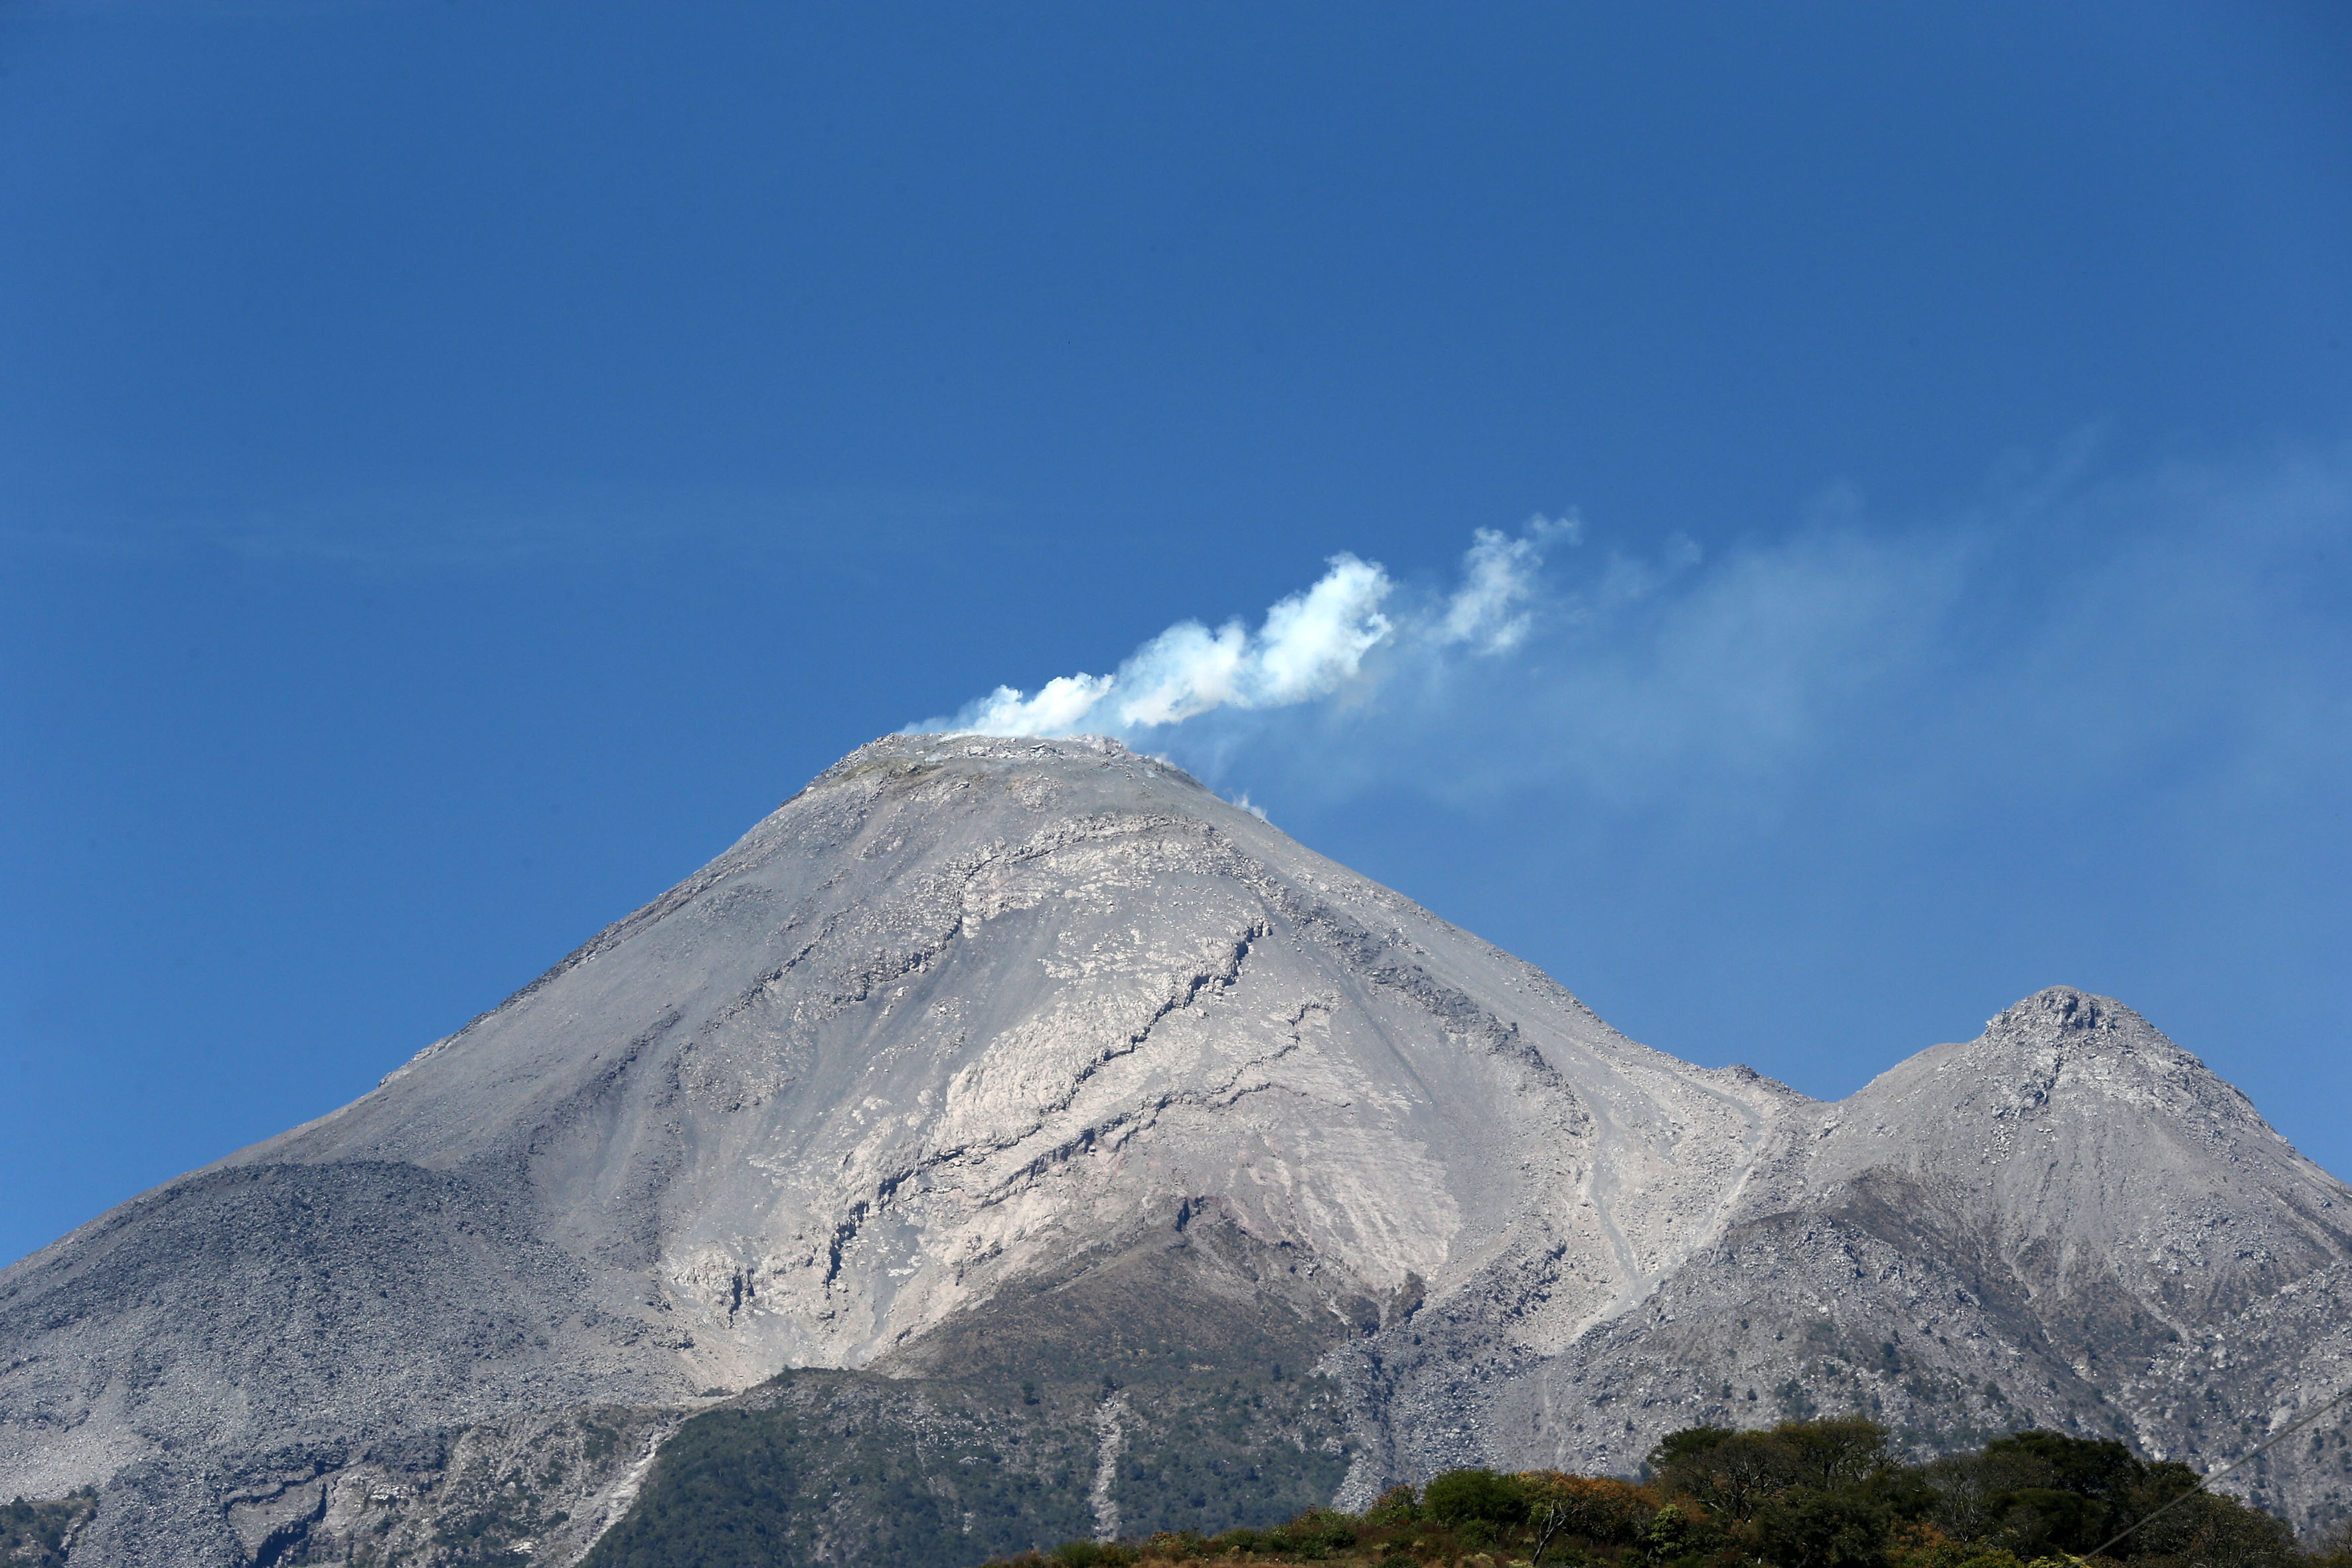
{"x": 1045, "y": 1145}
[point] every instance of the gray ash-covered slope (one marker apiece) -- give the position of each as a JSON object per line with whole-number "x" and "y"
{"x": 956, "y": 1014}
{"x": 2068, "y": 1222}
{"x": 987, "y": 1063}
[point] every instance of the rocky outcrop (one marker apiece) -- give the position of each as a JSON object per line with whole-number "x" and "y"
{"x": 2069, "y": 1222}
{"x": 965, "y": 1015}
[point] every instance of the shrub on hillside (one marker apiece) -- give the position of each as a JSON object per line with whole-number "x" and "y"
{"x": 33, "y": 1534}
{"x": 1474, "y": 1496}
{"x": 1596, "y": 1509}
{"x": 1816, "y": 1527}
{"x": 1819, "y": 1494}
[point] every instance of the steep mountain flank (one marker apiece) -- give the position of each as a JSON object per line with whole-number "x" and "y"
{"x": 2069, "y": 1222}
{"x": 1046, "y": 1104}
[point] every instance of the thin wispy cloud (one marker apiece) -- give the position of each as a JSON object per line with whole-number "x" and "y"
{"x": 1494, "y": 608}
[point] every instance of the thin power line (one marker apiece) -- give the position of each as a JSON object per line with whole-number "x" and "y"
{"x": 2281, "y": 1436}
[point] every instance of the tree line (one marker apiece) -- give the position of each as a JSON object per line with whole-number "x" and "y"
{"x": 1804, "y": 1494}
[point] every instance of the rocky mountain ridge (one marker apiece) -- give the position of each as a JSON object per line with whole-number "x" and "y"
{"x": 972, "y": 1036}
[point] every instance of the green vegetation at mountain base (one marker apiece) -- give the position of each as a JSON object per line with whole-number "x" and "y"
{"x": 1804, "y": 1494}
{"x": 36, "y": 1534}
{"x": 1086, "y": 1399}
{"x": 847, "y": 1465}
{"x": 938, "y": 1473}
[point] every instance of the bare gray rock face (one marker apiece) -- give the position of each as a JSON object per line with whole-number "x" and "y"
{"x": 967, "y": 1011}
{"x": 2068, "y": 1222}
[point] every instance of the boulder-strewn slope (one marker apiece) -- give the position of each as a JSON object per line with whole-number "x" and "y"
{"x": 2067, "y": 1222}
{"x": 979, "y": 1056}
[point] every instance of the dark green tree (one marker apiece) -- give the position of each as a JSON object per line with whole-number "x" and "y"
{"x": 1459, "y": 1497}
{"x": 1808, "y": 1527}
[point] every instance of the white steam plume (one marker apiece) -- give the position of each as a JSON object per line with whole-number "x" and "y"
{"x": 1311, "y": 645}
{"x": 1491, "y": 610}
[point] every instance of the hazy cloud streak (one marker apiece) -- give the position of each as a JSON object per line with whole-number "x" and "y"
{"x": 2058, "y": 637}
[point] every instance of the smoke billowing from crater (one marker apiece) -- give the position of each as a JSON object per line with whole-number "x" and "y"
{"x": 1313, "y": 644}
{"x": 2060, "y": 635}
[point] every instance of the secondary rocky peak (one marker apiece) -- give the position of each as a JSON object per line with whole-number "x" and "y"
{"x": 2050, "y": 1048}
{"x": 2061, "y": 1063}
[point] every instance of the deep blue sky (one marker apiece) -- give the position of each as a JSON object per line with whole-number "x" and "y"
{"x": 462, "y": 464}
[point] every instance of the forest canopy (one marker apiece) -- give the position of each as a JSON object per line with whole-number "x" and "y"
{"x": 1804, "y": 1494}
